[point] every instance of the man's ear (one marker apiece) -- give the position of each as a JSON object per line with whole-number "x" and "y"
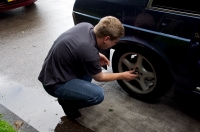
{"x": 106, "y": 38}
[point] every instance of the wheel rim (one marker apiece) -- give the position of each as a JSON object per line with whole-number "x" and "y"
{"x": 146, "y": 81}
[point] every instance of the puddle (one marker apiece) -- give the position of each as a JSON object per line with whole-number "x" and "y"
{"x": 40, "y": 110}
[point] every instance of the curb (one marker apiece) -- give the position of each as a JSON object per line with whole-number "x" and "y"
{"x": 13, "y": 119}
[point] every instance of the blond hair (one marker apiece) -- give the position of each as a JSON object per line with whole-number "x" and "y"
{"x": 109, "y": 26}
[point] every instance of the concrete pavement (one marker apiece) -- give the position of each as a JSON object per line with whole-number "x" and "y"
{"x": 26, "y": 35}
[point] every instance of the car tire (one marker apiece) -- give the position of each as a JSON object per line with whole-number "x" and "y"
{"x": 154, "y": 79}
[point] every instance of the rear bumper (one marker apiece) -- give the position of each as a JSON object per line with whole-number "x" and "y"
{"x": 5, "y": 6}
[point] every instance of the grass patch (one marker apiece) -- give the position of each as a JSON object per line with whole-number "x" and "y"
{"x": 5, "y": 126}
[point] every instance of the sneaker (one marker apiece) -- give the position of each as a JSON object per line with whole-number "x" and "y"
{"x": 60, "y": 101}
{"x": 70, "y": 112}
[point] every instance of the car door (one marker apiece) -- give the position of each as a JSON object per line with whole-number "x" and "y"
{"x": 182, "y": 20}
{"x": 194, "y": 56}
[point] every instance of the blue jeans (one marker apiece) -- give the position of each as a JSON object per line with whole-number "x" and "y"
{"x": 78, "y": 93}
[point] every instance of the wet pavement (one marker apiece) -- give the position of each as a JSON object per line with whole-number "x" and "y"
{"x": 19, "y": 124}
{"x": 26, "y": 35}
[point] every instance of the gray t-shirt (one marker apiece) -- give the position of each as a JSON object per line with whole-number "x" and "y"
{"x": 74, "y": 54}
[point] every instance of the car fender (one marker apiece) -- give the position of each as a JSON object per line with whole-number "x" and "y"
{"x": 145, "y": 44}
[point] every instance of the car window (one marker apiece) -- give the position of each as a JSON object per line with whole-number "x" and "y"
{"x": 179, "y": 5}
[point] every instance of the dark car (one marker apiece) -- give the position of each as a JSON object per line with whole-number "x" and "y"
{"x": 6, "y": 5}
{"x": 161, "y": 43}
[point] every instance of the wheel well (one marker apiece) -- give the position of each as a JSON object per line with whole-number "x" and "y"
{"x": 131, "y": 40}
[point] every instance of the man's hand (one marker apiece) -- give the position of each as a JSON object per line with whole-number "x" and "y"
{"x": 105, "y": 77}
{"x": 129, "y": 75}
{"x": 103, "y": 60}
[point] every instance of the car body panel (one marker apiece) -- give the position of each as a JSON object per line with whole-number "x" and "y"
{"x": 173, "y": 33}
{"x": 12, "y": 4}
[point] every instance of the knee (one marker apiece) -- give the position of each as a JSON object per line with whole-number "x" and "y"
{"x": 99, "y": 96}
{"x": 100, "y": 99}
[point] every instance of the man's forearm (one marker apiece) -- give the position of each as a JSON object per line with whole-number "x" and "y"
{"x": 106, "y": 77}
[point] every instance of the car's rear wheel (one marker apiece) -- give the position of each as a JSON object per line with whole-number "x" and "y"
{"x": 154, "y": 78}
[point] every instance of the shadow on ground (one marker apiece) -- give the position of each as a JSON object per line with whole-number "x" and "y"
{"x": 70, "y": 125}
{"x": 183, "y": 101}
